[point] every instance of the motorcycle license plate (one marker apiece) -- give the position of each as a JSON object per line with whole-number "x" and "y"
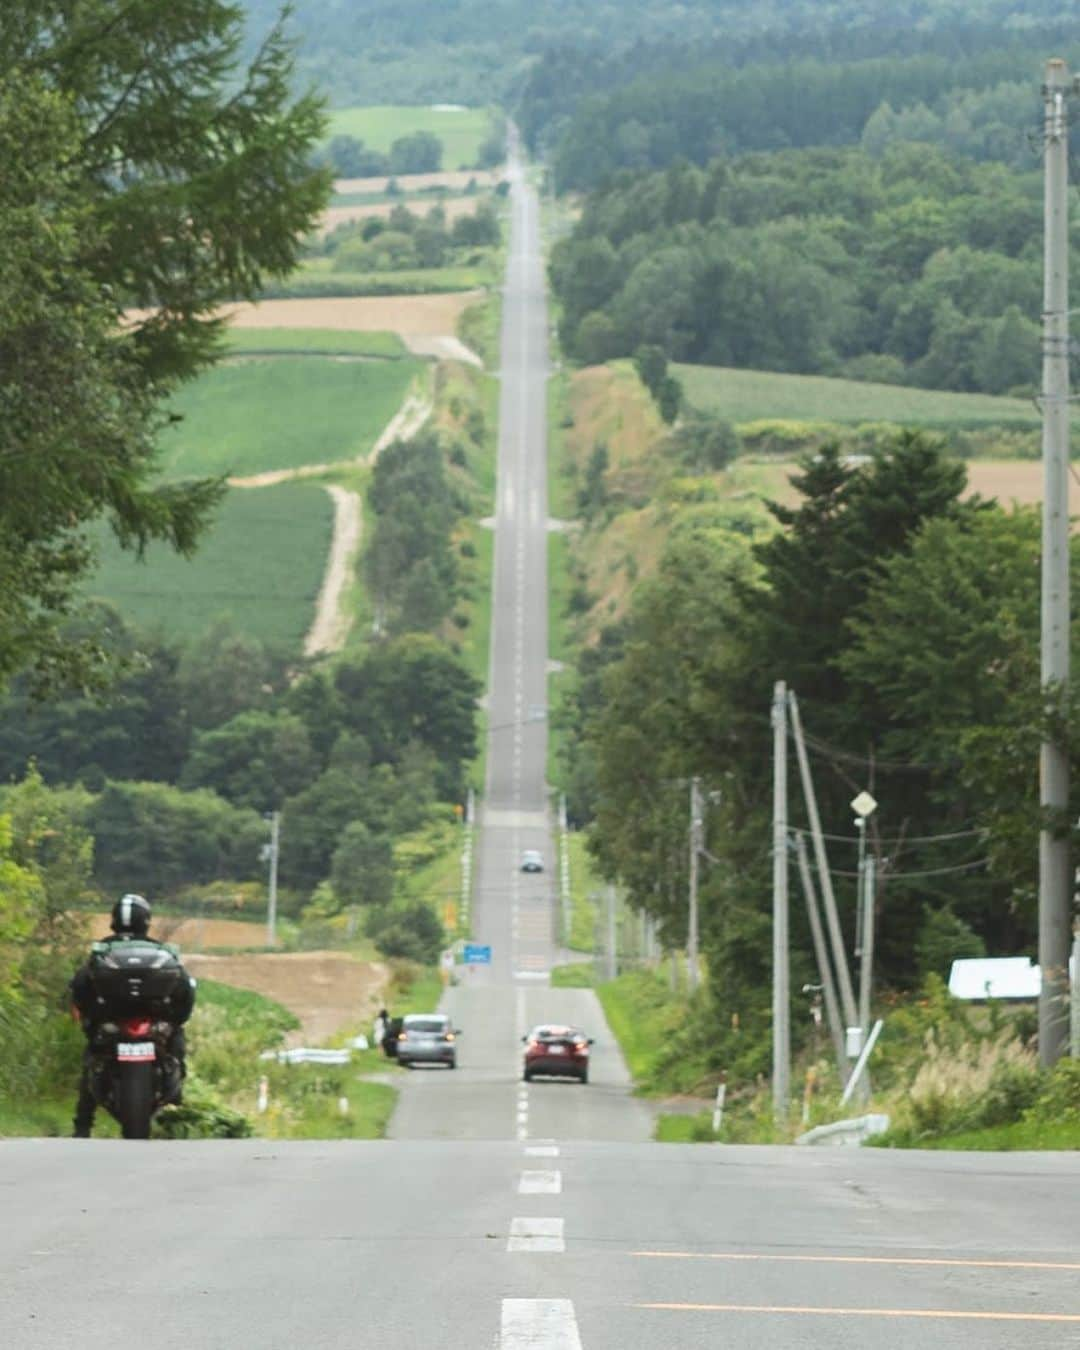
{"x": 556, "y": 1049}
{"x": 135, "y": 1052}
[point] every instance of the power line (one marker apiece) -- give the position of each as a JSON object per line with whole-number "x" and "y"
{"x": 929, "y": 872}
{"x": 897, "y": 840}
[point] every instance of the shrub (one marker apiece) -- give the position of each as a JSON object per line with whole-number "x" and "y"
{"x": 989, "y": 1082}
{"x": 1059, "y": 1096}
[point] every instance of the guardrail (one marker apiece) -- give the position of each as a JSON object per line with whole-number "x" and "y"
{"x": 845, "y": 1133}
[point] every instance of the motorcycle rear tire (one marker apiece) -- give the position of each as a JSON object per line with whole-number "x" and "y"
{"x": 135, "y": 1100}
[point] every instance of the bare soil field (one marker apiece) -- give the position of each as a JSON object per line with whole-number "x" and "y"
{"x": 1009, "y": 480}
{"x": 455, "y": 180}
{"x": 192, "y": 935}
{"x": 453, "y": 207}
{"x": 407, "y": 315}
{"x": 327, "y": 991}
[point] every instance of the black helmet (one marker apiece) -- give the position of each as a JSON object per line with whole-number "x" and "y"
{"x": 131, "y": 914}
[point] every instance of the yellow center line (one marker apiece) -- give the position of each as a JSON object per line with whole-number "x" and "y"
{"x": 862, "y": 1312}
{"x": 861, "y": 1260}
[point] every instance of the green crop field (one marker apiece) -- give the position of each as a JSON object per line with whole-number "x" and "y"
{"x": 247, "y": 417}
{"x": 316, "y": 279}
{"x": 313, "y": 342}
{"x": 461, "y": 132}
{"x": 749, "y": 395}
{"x": 261, "y": 563}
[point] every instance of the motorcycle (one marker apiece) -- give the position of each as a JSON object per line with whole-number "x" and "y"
{"x": 132, "y": 1073}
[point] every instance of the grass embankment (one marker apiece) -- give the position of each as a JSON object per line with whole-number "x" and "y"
{"x": 462, "y": 131}
{"x": 261, "y": 562}
{"x": 253, "y": 416}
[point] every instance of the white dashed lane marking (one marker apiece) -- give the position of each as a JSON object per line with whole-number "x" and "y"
{"x": 536, "y": 1235}
{"x": 542, "y": 1151}
{"x": 540, "y": 1183}
{"x": 538, "y": 1324}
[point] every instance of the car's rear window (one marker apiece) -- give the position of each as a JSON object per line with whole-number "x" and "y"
{"x": 554, "y": 1033}
{"x": 425, "y": 1024}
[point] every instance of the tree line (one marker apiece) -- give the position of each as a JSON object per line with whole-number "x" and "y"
{"x": 912, "y": 266}
{"x": 905, "y": 617}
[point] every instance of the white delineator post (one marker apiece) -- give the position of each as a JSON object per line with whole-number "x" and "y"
{"x": 1055, "y": 874}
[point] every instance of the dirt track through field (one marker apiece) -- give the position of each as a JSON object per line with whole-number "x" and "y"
{"x": 332, "y": 622}
{"x": 328, "y": 991}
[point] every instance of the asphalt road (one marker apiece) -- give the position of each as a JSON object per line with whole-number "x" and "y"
{"x": 529, "y": 1217}
{"x": 515, "y": 912}
{"x": 533, "y": 1246}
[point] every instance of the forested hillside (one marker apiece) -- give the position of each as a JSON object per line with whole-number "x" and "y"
{"x": 909, "y": 266}
{"x": 479, "y": 51}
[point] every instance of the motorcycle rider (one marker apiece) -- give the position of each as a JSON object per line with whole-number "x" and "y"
{"x": 130, "y": 919}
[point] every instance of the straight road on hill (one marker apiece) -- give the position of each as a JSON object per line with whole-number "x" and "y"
{"x": 515, "y": 913}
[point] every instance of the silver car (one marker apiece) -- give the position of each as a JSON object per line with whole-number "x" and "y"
{"x": 427, "y": 1038}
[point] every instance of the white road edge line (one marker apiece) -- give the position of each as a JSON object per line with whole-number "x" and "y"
{"x": 540, "y": 1183}
{"x": 538, "y": 1324}
{"x": 536, "y": 1235}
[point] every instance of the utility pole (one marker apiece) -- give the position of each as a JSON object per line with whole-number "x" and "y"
{"x": 781, "y": 1003}
{"x": 693, "y": 973}
{"x": 866, "y": 967}
{"x": 1054, "y": 871}
{"x": 832, "y": 919}
{"x": 272, "y": 857}
{"x": 828, "y": 987}
{"x": 612, "y": 939}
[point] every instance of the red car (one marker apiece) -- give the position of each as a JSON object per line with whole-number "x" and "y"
{"x": 556, "y": 1052}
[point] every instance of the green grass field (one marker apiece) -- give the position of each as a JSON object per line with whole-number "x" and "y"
{"x": 378, "y": 127}
{"x": 313, "y": 342}
{"x": 748, "y": 395}
{"x": 248, "y": 417}
{"x": 262, "y": 563}
{"x": 315, "y": 279}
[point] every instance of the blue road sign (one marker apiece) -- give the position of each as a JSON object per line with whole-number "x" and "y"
{"x": 475, "y": 955}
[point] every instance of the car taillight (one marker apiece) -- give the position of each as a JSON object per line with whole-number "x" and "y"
{"x": 449, "y": 1036}
{"x": 581, "y": 1048}
{"x": 533, "y": 1045}
{"x": 136, "y": 1026}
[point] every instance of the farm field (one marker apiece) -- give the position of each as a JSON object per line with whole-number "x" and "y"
{"x": 1007, "y": 480}
{"x": 407, "y": 315}
{"x": 313, "y": 342}
{"x": 253, "y": 416}
{"x": 341, "y": 211}
{"x": 316, "y": 278}
{"x": 452, "y": 180}
{"x": 262, "y": 563}
{"x": 462, "y": 131}
{"x": 748, "y": 395}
